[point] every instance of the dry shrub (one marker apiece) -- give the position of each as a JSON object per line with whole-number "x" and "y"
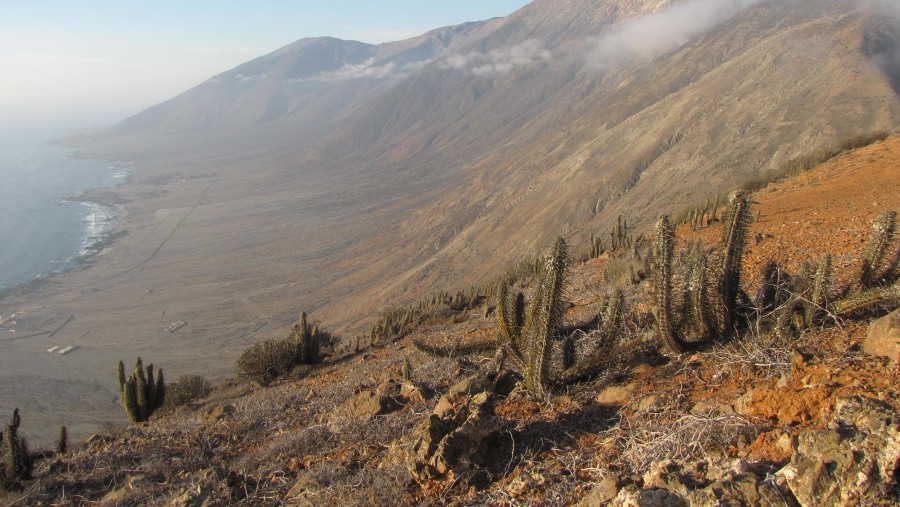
{"x": 266, "y": 361}
{"x": 343, "y": 485}
{"x": 654, "y": 436}
{"x": 275, "y": 454}
{"x": 186, "y": 389}
{"x": 766, "y": 355}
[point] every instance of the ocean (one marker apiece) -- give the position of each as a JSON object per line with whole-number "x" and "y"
{"x": 43, "y": 231}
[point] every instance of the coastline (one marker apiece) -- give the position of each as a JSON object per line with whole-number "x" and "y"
{"x": 102, "y": 224}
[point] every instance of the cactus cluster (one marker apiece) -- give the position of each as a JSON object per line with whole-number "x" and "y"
{"x": 308, "y": 340}
{"x": 397, "y": 323}
{"x": 525, "y": 337}
{"x": 698, "y": 297}
{"x": 17, "y": 463}
{"x": 697, "y": 313}
{"x": 877, "y": 284}
{"x": 692, "y": 317}
{"x": 527, "y": 340}
{"x": 701, "y": 217}
{"x": 618, "y": 239}
{"x": 266, "y": 361}
{"x": 141, "y": 393}
{"x": 527, "y": 332}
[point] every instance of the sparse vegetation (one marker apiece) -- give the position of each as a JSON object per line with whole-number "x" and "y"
{"x": 17, "y": 460}
{"x": 141, "y": 393}
{"x": 186, "y": 389}
{"x": 265, "y": 362}
{"x": 803, "y": 163}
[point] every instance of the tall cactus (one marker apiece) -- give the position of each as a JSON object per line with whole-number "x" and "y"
{"x": 883, "y": 230}
{"x": 665, "y": 249}
{"x": 308, "y": 340}
{"x": 546, "y": 318}
{"x": 819, "y": 296}
{"x": 141, "y": 393}
{"x": 528, "y": 343}
{"x": 18, "y": 459}
{"x": 734, "y": 238}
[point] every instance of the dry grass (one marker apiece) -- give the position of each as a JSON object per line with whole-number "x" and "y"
{"x": 659, "y": 435}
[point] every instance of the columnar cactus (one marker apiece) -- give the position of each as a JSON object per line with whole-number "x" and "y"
{"x": 528, "y": 343}
{"x": 142, "y": 394}
{"x": 18, "y": 460}
{"x": 734, "y": 237}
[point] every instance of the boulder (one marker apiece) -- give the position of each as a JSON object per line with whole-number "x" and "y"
{"x": 883, "y": 337}
{"x": 631, "y": 496}
{"x": 219, "y": 412}
{"x": 615, "y": 396}
{"x": 361, "y": 407}
{"x": 454, "y": 437}
{"x": 851, "y": 462}
{"x": 601, "y": 493}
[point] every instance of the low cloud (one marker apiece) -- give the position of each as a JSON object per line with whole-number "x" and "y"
{"x": 499, "y": 61}
{"x": 370, "y": 69}
{"x": 255, "y": 77}
{"x": 645, "y": 38}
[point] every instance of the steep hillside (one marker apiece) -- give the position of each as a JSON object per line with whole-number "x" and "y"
{"x": 754, "y": 418}
{"x": 342, "y": 178}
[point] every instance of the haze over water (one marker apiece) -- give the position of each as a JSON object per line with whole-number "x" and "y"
{"x": 40, "y": 230}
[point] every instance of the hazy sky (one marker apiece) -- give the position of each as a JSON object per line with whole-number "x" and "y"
{"x": 91, "y": 62}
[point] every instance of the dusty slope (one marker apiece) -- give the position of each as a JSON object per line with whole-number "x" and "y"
{"x": 254, "y": 446}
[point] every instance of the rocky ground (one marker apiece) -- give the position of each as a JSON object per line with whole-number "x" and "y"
{"x": 755, "y": 419}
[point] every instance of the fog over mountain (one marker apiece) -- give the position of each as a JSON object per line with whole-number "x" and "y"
{"x": 340, "y": 177}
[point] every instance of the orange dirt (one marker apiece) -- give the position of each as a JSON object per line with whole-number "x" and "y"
{"x": 829, "y": 209}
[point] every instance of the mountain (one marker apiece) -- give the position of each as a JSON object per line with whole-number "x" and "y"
{"x": 341, "y": 178}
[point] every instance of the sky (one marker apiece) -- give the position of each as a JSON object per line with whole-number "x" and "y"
{"x": 90, "y": 62}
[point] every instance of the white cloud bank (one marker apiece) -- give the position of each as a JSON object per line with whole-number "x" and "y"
{"x": 644, "y": 38}
{"x": 499, "y": 61}
{"x": 370, "y": 69}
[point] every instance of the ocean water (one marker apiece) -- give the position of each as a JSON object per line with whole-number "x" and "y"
{"x": 42, "y": 230}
